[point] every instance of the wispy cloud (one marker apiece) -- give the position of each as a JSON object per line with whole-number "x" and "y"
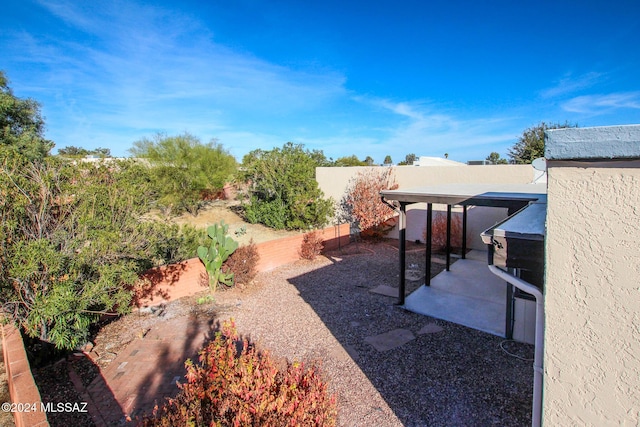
{"x": 570, "y": 84}
{"x": 423, "y": 129}
{"x": 148, "y": 69}
{"x": 603, "y": 104}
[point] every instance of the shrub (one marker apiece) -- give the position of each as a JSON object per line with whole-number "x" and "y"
{"x": 235, "y": 385}
{"x": 282, "y": 188}
{"x": 185, "y": 171}
{"x": 311, "y": 246}
{"x": 243, "y": 263}
{"x": 362, "y": 205}
{"x": 439, "y": 232}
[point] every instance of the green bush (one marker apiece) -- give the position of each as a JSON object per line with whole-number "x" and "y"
{"x": 283, "y": 191}
{"x": 73, "y": 243}
{"x": 184, "y": 169}
{"x": 235, "y": 385}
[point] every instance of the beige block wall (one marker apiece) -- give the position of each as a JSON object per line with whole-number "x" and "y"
{"x": 333, "y": 182}
{"x": 592, "y": 296}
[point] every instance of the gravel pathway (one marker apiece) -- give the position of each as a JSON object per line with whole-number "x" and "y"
{"x": 444, "y": 375}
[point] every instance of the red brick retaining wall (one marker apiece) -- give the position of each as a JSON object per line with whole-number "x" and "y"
{"x": 189, "y": 277}
{"x": 22, "y": 387}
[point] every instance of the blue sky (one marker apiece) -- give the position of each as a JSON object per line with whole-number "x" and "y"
{"x": 371, "y": 78}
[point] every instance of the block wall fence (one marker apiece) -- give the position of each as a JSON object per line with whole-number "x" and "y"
{"x": 334, "y": 182}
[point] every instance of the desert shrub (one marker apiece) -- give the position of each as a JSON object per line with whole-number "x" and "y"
{"x": 311, "y": 245}
{"x": 439, "y": 232}
{"x": 361, "y": 204}
{"x": 243, "y": 263}
{"x": 236, "y": 385}
{"x": 72, "y": 243}
{"x": 282, "y": 189}
{"x": 185, "y": 171}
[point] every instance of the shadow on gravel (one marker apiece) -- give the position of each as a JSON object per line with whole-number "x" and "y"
{"x": 447, "y": 375}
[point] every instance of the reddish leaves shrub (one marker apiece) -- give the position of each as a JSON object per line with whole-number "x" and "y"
{"x": 362, "y": 202}
{"x": 235, "y": 385}
{"x": 439, "y": 232}
{"x": 243, "y": 263}
{"x": 311, "y": 245}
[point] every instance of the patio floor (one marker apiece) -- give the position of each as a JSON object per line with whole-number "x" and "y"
{"x": 469, "y": 295}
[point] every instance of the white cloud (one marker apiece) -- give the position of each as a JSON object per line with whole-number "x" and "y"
{"x": 425, "y": 130}
{"x": 603, "y": 104}
{"x": 135, "y": 70}
{"x": 570, "y": 83}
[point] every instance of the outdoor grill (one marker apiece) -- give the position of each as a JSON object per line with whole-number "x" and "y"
{"x": 516, "y": 245}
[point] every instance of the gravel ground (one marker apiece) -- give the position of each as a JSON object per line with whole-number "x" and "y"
{"x": 322, "y": 311}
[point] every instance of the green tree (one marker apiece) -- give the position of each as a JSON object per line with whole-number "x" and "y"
{"x": 73, "y": 243}
{"x": 72, "y": 151}
{"x": 387, "y": 160}
{"x": 369, "y": 161}
{"x": 408, "y": 160}
{"x": 349, "y": 161}
{"x": 495, "y": 159}
{"x": 283, "y": 190}
{"x": 21, "y": 124}
{"x": 185, "y": 169}
{"x": 530, "y": 145}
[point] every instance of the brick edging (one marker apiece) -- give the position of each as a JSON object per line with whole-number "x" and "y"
{"x": 22, "y": 386}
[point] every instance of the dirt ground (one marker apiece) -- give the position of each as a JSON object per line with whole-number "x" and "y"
{"x": 226, "y": 210}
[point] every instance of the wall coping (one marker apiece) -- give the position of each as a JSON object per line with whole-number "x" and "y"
{"x": 593, "y": 143}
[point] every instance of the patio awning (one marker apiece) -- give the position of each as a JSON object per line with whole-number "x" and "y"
{"x": 510, "y": 196}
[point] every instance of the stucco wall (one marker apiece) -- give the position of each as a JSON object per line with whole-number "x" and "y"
{"x": 592, "y": 295}
{"x": 333, "y": 182}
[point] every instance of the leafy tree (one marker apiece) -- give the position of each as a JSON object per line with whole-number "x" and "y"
{"x": 184, "y": 169}
{"x": 387, "y": 160}
{"x": 408, "y": 160}
{"x": 21, "y": 125}
{"x": 283, "y": 190}
{"x": 369, "y": 161}
{"x": 530, "y": 145}
{"x": 73, "y": 243}
{"x": 349, "y": 161}
{"x": 495, "y": 159}
{"x": 72, "y": 151}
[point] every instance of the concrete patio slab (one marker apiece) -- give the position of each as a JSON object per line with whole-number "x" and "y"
{"x": 469, "y": 294}
{"x": 390, "y": 340}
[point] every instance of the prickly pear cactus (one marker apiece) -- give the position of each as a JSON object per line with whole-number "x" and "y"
{"x": 216, "y": 254}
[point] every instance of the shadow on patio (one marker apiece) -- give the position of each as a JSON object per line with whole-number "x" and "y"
{"x": 443, "y": 373}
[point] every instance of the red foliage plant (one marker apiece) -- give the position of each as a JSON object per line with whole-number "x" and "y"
{"x": 362, "y": 200}
{"x": 243, "y": 263}
{"x": 235, "y": 385}
{"x": 439, "y": 232}
{"x": 311, "y": 245}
